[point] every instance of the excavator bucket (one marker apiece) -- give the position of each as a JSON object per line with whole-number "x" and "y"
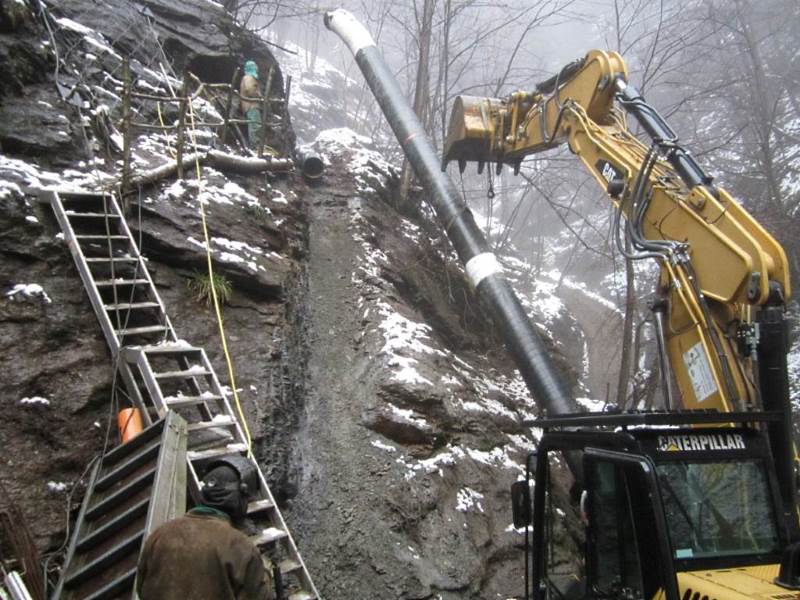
{"x": 470, "y": 131}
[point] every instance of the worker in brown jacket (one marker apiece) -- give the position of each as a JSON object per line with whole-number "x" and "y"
{"x": 251, "y": 108}
{"x": 200, "y": 556}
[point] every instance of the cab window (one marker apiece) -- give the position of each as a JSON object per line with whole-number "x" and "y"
{"x": 718, "y": 508}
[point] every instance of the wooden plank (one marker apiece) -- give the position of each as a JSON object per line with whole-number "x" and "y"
{"x": 168, "y": 498}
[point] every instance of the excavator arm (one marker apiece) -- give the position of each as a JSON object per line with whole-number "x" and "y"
{"x": 719, "y": 267}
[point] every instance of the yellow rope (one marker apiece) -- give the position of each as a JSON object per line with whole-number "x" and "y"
{"x": 213, "y": 289}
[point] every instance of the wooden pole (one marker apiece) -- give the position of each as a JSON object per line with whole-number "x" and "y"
{"x": 421, "y": 86}
{"x": 229, "y": 106}
{"x": 219, "y": 160}
{"x": 265, "y": 112}
{"x": 285, "y": 112}
{"x": 181, "y": 124}
{"x": 126, "y": 133}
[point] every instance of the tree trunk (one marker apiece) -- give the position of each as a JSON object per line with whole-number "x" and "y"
{"x": 421, "y": 88}
{"x": 444, "y": 69}
{"x": 764, "y": 105}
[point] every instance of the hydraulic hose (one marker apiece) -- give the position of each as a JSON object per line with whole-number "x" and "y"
{"x": 661, "y": 133}
{"x": 484, "y": 271}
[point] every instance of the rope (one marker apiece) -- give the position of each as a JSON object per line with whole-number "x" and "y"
{"x": 214, "y": 297}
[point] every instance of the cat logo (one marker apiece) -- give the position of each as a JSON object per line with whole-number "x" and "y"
{"x": 700, "y": 442}
{"x": 608, "y": 171}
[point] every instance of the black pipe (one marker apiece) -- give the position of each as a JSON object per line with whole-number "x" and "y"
{"x": 310, "y": 163}
{"x": 526, "y": 347}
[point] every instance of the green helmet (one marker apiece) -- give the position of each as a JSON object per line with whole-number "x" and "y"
{"x": 251, "y": 68}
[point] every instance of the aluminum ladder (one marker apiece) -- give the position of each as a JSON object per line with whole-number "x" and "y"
{"x": 161, "y": 372}
{"x": 133, "y": 489}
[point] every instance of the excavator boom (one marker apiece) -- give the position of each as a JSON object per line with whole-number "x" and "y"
{"x": 718, "y": 264}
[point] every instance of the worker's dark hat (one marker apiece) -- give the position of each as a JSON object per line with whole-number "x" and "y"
{"x": 244, "y": 468}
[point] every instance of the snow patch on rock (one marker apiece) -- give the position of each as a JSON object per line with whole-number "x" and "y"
{"x": 468, "y": 500}
{"x": 28, "y": 291}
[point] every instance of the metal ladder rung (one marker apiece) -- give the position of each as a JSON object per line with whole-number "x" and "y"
{"x": 110, "y": 282}
{"x": 106, "y": 559}
{"x": 288, "y": 565}
{"x": 268, "y": 536}
{"x": 131, "y": 305}
{"x": 102, "y": 259}
{"x": 173, "y": 348}
{"x": 238, "y": 449}
{"x": 93, "y": 215}
{"x": 227, "y": 422}
{"x": 259, "y": 506}
{"x": 183, "y": 401}
{"x": 140, "y": 441}
{"x": 182, "y": 374}
{"x": 120, "y": 495}
{"x": 100, "y": 237}
{"x": 101, "y": 533}
{"x": 140, "y": 330}
{"x": 128, "y": 466}
{"x": 82, "y": 195}
{"x": 111, "y": 590}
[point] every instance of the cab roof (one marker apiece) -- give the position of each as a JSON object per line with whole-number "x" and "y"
{"x": 654, "y": 418}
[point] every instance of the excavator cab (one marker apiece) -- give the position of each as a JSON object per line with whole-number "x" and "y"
{"x": 669, "y": 511}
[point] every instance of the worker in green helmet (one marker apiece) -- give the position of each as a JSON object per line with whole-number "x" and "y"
{"x": 200, "y": 556}
{"x": 248, "y": 90}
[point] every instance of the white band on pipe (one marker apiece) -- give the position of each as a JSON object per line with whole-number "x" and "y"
{"x": 347, "y": 27}
{"x": 480, "y": 266}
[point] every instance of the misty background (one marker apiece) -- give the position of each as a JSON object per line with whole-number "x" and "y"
{"x": 724, "y": 73}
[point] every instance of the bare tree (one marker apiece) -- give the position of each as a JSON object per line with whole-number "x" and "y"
{"x": 421, "y": 92}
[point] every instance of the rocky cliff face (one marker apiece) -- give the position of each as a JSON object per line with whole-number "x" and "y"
{"x": 383, "y": 407}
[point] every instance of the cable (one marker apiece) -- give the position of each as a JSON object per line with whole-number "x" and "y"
{"x": 63, "y": 546}
{"x": 214, "y": 297}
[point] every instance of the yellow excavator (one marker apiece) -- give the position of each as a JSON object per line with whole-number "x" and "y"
{"x": 695, "y": 502}
{"x": 692, "y": 502}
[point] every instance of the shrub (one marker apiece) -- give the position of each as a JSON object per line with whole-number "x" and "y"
{"x": 200, "y": 286}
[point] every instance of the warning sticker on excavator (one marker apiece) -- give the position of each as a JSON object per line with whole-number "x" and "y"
{"x": 699, "y": 370}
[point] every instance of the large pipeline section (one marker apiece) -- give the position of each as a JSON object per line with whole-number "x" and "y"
{"x": 483, "y": 269}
